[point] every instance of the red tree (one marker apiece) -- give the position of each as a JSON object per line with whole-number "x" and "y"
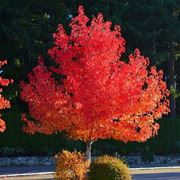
{"x": 4, "y": 103}
{"x": 100, "y": 95}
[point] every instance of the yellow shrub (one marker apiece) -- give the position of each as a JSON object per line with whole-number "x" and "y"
{"x": 71, "y": 166}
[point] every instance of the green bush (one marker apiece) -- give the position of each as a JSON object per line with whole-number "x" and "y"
{"x": 108, "y": 168}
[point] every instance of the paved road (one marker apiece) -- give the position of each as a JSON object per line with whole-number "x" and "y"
{"x": 25, "y": 169}
{"x": 40, "y": 177}
{"x": 151, "y": 176}
{"x": 145, "y": 174}
{"x": 157, "y": 176}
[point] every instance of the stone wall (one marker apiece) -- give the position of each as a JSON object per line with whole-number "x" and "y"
{"x": 156, "y": 160}
{"x": 27, "y": 161}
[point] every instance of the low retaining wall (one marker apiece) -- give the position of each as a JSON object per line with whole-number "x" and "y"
{"x": 50, "y": 161}
{"x": 27, "y": 161}
{"x": 158, "y": 160}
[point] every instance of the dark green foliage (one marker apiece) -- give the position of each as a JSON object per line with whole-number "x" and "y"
{"x": 147, "y": 155}
{"x": 109, "y": 168}
{"x": 14, "y": 141}
{"x": 26, "y": 28}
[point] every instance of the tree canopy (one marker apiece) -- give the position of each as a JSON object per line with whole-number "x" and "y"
{"x": 100, "y": 96}
{"x": 4, "y": 103}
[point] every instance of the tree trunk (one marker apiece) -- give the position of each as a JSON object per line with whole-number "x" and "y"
{"x": 88, "y": 150}
{"x": 171, "y": 79}
{"x": 173, "y": 107}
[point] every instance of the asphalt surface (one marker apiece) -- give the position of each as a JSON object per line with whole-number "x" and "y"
{"x": 151, "y": 176}
{"x": 137, "y": 174}
{"x": 39, "y": 177}
{"x": 157, "y": 173}
{"x": 25, "y": 169}
{"x": 157, "y": 176}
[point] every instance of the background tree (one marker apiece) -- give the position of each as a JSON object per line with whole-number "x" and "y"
{"x": 26, "y": 28}
{"x": 4, "y": 103}
{"x": 157, "y": 35}
{"x": 99, "y": 96}
{"x": 25, "y": 32}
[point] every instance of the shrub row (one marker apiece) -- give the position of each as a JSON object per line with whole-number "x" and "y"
{"x": 74, "y": 166}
